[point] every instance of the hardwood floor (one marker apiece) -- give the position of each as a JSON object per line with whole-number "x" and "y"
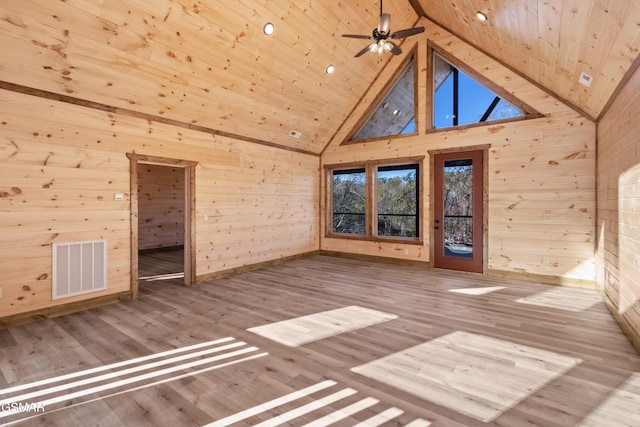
{"x": 161, "y": 264}
{"x": 324, "y": 341}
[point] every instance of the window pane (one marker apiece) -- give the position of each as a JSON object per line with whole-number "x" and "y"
{"x": 398, "y": 201}
{"x": 395, "y": 115}
{"x": 459, "y": 99}
{"x": 458, "y": 208}
{"x": 504, "y": 110}
{"x": 474, "y": 100}
{"x": 349, "y": 201}
{"x": 443, "y": 96}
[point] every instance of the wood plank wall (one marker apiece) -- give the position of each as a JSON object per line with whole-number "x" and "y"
{"x": 541, "y": 175}
{"x": 160, "y": 206}
{"x": 60, "y": 165}
{"x": 618, "y": 225}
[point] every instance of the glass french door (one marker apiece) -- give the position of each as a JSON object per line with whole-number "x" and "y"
{"x": 458, "y": 211}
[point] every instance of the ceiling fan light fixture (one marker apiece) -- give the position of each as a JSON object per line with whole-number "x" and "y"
{"x": 481, "y": 16}
{"x": 381, "y": 34}
{"x": 268, "y": 28}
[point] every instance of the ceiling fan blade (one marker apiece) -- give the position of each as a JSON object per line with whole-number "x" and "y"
{"x": 362, "y": 52}
{"x": 357, "y": 36}
{"x": 395, "y": 49}
{"x": 406, "y": 33}
{"x": 385, "y": 23}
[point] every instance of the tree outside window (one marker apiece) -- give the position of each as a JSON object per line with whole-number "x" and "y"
{"x": 394, "y": 208}
{"x": 349, "y": 201}
{"x": 397, "y": 201}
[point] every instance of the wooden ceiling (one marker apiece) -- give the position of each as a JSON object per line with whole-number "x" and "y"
{"x": 551, "y": 42}
{"x": 207, "y": 64}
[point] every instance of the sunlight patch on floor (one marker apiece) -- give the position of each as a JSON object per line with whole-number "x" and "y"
{"x": 620, "y": 407}
{"x": 476, "y": 375}
{"x": 477, "y": 291}
{"x": 306, "y": 329}
{"x": 162, "y": 277}
{"x": 564, "y": 298}
{"x": 323, "y": 410}
{"x": 77, "y": 388}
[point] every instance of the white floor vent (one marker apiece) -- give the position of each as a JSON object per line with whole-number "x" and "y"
{"x": 79, "y": 268}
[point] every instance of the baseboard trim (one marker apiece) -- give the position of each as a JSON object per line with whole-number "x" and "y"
{"x": 33, "y": 316}
{"x": 629, "y": 332}
{"x": 251, "y": 267}
{"x": 379, "y": 259}
{"x": 543, "y": 278}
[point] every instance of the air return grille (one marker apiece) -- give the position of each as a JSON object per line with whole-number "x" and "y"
{"x": 79, "y": 268}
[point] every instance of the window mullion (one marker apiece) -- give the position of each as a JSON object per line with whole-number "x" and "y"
{"x": 371, "y": 220}
{"x": 456, "y": 96}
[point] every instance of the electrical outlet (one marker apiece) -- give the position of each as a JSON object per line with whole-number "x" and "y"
{"x": 206, "y": 217}
{"x": 545, "y": 260}
{"x": 406, "y": 251}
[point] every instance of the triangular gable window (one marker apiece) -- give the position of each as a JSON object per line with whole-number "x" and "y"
{"x": 461, "y": 100}
{"x": 396, "y": 113}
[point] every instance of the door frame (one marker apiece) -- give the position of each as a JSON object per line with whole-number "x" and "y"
{"x": 189, "y": 168}
{"x": 484, "y": 149}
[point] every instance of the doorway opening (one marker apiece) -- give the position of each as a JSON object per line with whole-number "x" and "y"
{"x": 162, "y": 220}
{"x": 458, "y": 221}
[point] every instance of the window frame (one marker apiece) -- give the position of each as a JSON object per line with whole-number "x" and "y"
{"x": 433, "y": 49}
{"x": 371, "y": 199}
{"x": 366, "y": 196}
{"x": 376, "y": 202}
{"x": 412, "y": 58}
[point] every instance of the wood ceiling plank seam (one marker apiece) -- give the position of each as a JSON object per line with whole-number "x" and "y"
{"x": 302, "y": 28}
{"x": 150, "y": 117}
{"x": 315, "y": 108}
{"x": 620, "y": 54}
{"x": 250, "y": 51}
{"x": 601, "y": 38}
{"x": 252, "y": 99}
{"x": 555, "y": 95}
{"x": 97, "y": 28}
{"x": 574, "y": 23}
{"x": 529, "y": 20}
{"x": 550, "y": 25}
{"x": 515, "y": 48}
{"x": 556, "y": 58}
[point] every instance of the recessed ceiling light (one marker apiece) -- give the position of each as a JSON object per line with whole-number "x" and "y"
{"x": 481, "y": 16}
{"x": 268, "y": 28}
{"x": 330, "y": 69}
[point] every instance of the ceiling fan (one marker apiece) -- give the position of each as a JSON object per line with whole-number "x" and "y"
{"x": 382, "y": 34}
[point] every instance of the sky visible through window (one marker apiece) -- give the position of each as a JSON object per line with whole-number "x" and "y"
{"x": 473, "y": 101}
